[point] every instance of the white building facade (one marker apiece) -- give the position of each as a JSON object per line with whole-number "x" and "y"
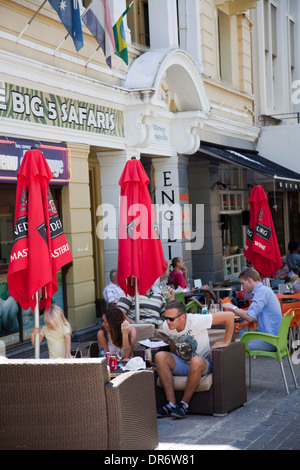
{"x": 185, "y": 105}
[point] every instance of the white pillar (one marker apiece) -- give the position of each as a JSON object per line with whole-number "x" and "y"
{"x": 171, "y": 189}
{"x": 163, "y": 24}
{"x": 189, "y": 30}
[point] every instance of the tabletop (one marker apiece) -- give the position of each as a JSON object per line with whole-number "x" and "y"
{"x": 114, "y": 373}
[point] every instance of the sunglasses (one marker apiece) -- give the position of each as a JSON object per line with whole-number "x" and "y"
{"x": 172, "y": 318}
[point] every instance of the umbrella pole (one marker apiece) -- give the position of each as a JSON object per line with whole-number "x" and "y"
{"x": 37, "y": 325}
{"x": 137, "y": 303}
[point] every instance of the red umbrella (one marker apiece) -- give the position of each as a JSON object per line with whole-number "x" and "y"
{"x": 261, "y": 247}
{"x": 40, "y": 248}
{"x": 140, "y": 250}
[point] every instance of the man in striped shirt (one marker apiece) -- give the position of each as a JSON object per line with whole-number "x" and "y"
{"x": 152, "y": 306}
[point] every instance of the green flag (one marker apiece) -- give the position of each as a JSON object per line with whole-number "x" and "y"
{"x": 120, "y": 37}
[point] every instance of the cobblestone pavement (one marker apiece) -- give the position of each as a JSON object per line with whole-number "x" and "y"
{"x": 270, "y": 419}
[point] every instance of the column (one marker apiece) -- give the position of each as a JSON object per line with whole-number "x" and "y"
{"x": 171, "y": 189}
{"x": 163, "y": 24}
{"x": 77, "y": 227}
{"x": 189, "y": 30}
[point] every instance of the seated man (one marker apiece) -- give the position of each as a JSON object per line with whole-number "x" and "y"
{"x": 152, "y": 307}
{"x": 265, "y": 308}
{"x": 112, "y": 292}
{"x": 189, "y": 354}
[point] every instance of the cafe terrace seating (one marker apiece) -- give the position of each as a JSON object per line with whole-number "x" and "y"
{"x": 280, "y": 343}
{"x": 70, "y": 404}
{"x": 220, "y": 392}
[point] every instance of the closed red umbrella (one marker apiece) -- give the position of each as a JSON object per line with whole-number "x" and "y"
{"x": 40, "y": 248}
{"x": 140, "y": 251}
{"x": 261, "y": 247}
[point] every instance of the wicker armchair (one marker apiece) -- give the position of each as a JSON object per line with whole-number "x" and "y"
{"x": 220, "y": 392}
{"x": 71, "y": 404}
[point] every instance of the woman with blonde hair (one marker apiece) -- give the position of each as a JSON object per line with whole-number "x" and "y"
{"x": 57, "y": 331}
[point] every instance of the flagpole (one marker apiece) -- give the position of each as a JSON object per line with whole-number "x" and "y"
{"x": 25, "y": 27}
{"x": 92, "y": 56}
{"x": 37, "y": 325}
{"x": 59, "y": 45}
{"x": 137, "y": 302}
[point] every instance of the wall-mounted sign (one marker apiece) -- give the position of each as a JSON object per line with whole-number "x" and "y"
{"x": 161, "y": 133}
{"x": 35, "y": 106}
{"x": 12, "y": 151}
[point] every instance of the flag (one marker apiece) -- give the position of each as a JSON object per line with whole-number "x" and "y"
{"x": 69, "y": 14}
{"x": 97, "y": 20}
{"x": 120, "y": 37}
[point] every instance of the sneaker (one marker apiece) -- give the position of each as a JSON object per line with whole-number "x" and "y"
{"x": 180, "y": 411}
{"x": 164, "y": 411}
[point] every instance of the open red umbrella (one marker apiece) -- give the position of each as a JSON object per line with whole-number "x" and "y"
{"x": 140, "y": 251}
{"x": 40, "y": 248}
{"x": 261, "y": 247}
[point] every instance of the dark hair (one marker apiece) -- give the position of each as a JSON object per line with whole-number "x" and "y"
{"x": 115, "y": 318}
{"x": 176, "y": 304}
{"x": 175, "y": 261}
{"x": 293, "y": 245}
{"x": 250, "y": 273}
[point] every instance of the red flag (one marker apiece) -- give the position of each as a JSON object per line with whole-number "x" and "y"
{"x": 140, "y": 250}
{"x": 40, "y": 247}
{"x": 261, "y": 247}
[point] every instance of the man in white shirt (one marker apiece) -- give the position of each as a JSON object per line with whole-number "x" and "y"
{"x": 112, "y": 292}
{"x": 190, "y": 353}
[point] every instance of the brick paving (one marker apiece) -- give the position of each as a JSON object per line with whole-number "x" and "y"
{"x": 270, "y": 420}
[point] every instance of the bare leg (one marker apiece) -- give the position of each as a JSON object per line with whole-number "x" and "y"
{"x": 166, "y": 364}
{"x": 197, "y": 368}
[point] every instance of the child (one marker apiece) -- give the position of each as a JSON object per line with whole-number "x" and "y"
{"x": 57, "y": 332}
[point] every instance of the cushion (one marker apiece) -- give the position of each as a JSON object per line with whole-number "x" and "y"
{"x": 143, "y": 331}
{"x": 180, "y": 382}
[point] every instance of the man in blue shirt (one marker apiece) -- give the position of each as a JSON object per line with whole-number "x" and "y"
{"x": 265, "y": 308}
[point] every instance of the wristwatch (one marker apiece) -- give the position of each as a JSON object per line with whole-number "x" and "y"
{"x": 234, "y": 308}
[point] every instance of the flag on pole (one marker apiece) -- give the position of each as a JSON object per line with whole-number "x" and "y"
{"x": 97, "y": 19}
{"x": 69, "y": 14}
{"x": 120, "y": 37}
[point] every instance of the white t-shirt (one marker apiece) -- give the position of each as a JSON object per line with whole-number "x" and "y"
{"x": 194, "y": 339}
{"x": 55, "y": 341}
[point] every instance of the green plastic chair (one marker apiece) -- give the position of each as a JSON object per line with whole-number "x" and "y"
{"x": 280, "y": 342}
{"x": 189, "y": 305}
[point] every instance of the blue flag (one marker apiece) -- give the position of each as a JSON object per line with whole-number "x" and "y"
{"x": 69, "y": 14}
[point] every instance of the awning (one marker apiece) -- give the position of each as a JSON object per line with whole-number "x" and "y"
{"x": 284, "y": 178}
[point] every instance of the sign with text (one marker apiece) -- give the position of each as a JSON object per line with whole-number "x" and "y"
{"x": 29, "y": 105}
{"x": 12, "y": 151}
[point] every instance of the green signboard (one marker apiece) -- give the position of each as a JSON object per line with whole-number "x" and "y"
{"x": 35, "y": 106}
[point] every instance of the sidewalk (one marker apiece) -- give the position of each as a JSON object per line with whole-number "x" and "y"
{"x": 270, "y": 420}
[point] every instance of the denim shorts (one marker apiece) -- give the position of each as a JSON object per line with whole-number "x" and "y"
{"x": 182, "y": 368}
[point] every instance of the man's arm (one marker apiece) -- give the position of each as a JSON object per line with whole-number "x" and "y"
{"x": 238, "y": 311}
{"x": 228, "y": 319}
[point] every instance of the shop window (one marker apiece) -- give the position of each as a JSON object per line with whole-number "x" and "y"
{"x": 85, "y": 3}
{"x": 224, "y": 47}
{"x": 233, "y": 232}
{"x": 138, "y": 22}
{"x": 15, "y": 323}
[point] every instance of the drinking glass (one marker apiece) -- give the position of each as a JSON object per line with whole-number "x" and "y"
{"x": 120, "y": 353}
{"x": 214, "y": 308}
{"x": 164, "y": 291}
{"x": 148, "y": 357}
